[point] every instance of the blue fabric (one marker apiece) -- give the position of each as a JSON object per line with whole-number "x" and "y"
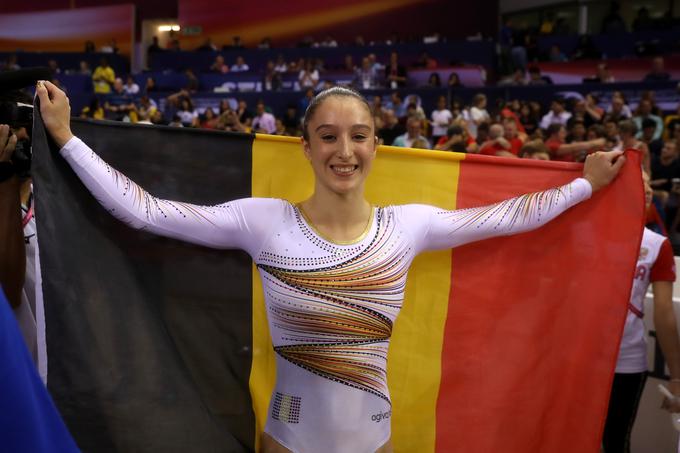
{"x": 29, "y": 421}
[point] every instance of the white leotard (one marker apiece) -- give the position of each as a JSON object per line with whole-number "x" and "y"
{"x": 330, "y": 306}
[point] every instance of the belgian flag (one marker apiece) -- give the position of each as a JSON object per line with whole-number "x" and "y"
{"x": 507, "y": 344}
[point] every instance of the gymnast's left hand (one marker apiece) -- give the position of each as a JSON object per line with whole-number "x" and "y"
{"x": 602, "y": 167}
{"x": 55, "y": 111}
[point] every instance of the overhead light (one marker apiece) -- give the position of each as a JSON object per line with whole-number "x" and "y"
{"x": 168, "y": 28}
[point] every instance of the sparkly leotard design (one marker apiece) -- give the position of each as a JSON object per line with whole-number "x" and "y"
{"x": 330, "y": 306}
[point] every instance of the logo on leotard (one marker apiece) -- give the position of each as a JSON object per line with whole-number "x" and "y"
{"x": 380, "y": 416}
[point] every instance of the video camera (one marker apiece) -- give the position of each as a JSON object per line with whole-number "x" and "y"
{"x": 16, "y": 110}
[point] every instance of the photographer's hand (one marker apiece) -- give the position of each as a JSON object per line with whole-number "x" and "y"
{"x": 55, "y": 111}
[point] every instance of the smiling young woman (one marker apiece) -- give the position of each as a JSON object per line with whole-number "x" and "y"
{"x": 333, "y": 267}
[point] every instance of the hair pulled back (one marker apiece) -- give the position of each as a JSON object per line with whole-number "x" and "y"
{"x": 322, "y": 96}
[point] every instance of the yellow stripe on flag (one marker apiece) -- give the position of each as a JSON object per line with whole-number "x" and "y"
{"x": 399, "y": 176}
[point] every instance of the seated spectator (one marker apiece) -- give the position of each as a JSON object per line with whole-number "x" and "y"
{"x": 130, "y": 86}
{"x": 397, "y": 105}
{"x": 53, "y": 66}
{"x": 219, "y": 65}
{"x": 650, "y": 95}
{"x": 456, "y": 140}
{"x": 308, "y": 76}
{"x": 557, "y": 114}
{"x": 207, "y": 46}
{"x": 103, "y": 77}
{"x": 425, "y": 62}
{"x": 413, "y": 102}
{"x": 94, "y": 110}
{"x": 441, "y": 119}
{"x": 291, "y": 121}
{"x": 84, "y": 68}
{"x": 602, "y": 75}
{"x": 496, "y": 144}
{"x": 348, "y": 64}
{"x": 569, "y": 152}
{"x": 618, "y": 110}
{"x": 556, "y": 55}
{"x": 193, "y": 84}
{"x": 305, "y": 101}
{"x": 536, "y": 78}
{"x": 272, "y": 78}
{"x": 658, "y": 72}
{"x": 420, "y": 143}
{"x": 176, "y": 121}
{"x": 245, "y": 116}
{"x": 395, "y": 74}
{"x": 240, "y": 65}
{"x": 391, "y": 128}
{"x": 627, "y": 133}
{"x": 511, "y": 134}
{"x": 365, "y": 77}
{"x": 264, "y": 122}
{"x": 280, "y": 128}
{"x": 517, "y": 78}
{"x": 377, "y": 66}
{"x": 482, "y": 134}
{"x": 644, "y": 111}
{"x": 328, "y": 41}
{"x": 146, "y": 107}
{"x": 187, "y": 114}
{"x": 266, "y": 43}
{"x": 150, "y": 85}
{"x": 454, "y": 81}
{"x": 647, "y": 136}
{"x": 576, "y": 130}
{"x": 413, "y": 133}
{"x": 665, "y": 168}
{"x": 434, "y": 81}
{"x": 530, "y": 117}
{"x": 236, "y": 43}
{"x": 228, "y": 121}
{"x": 208, "y": 120}
{"x": 118, "y": 104}
{"x": 281, "y": 66}
{"x": 89, "y": 47}
{"x": 586, "y": 49}
{"x": 377, "y": 108}
{"x": 110, "y": 47}
{"x": 535, "y": 149}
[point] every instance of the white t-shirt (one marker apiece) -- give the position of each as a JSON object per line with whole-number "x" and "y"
{"x": 655, "y": 264}
{"x": 440, "y": 121}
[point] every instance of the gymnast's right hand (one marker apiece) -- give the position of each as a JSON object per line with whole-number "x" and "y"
{"x": 55, "y": 111}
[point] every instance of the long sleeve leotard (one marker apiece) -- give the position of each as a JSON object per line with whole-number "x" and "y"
{"x": 330, "y": 306}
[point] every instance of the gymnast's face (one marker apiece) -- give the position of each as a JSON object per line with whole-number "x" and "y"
{"x": 341, "y": 145}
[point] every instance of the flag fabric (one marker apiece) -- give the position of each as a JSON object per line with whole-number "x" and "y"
{"x": 507, "y": 344}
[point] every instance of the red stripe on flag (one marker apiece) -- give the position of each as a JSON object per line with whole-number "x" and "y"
{"x": 534, "y": 320}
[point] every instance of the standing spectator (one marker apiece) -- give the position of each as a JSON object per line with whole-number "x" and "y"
{"x": 365, "y": 78}
{"x": 103, "y": 77}
{"x": 613, "y": 22}
{"x": 643, "y": 112}
{"x": 441, "y": 119}
{"x": 658, "y": 72}
{"x": 240, "y": 65}
{"x": 308, "y": 76}
{"x": 131, "y": 87}
{"x": 478, "y": 113}
{"x": 154, "y": 46}
{"x": 219, "y": 65}
{"x": 642, "y": 21}
{"x": 395, "y": 74}
{"x": 264, "y": 122}
{"x": 557, "y": 114}
{"x": 568, "y": 152}
{"x": 413, "y": 133}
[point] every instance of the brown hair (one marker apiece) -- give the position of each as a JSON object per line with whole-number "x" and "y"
{"x": 322, "y": 96}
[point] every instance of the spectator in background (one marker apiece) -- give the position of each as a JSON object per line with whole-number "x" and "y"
{"x": 665, "y": 168}
{"x": 642, "y": 21}
{"x": 377, "y": 66}
{"x": 187, "y": 113}
{"x": 434, "y": 81}
{"x": 602, "y": 75}
{"x": 94, "y": 110}
{"x": 618, "y": 110}
{"x": 414, "y": 103}
{"x": 240, "y": 65}
{"x": 413, "y": 133}
{"x": 365, "y": 78}
{"x": 454, "y": 81}
{"x": 517, "y": 78}
{"x": 377, "y": 108}
{"x": 110, "y": 47}
{"x": 328, "y": 41}
{"x": 236, "y": 43}
{"x": 569, "y": 152}
{"x": 209, "y": 119}
{"x": 103, "y": 77}
{"x": 585, "y": 49}
{"x": 154, "y": 46}
{"x": 613, "y": 22}
{"x": 441, "y": 119}
{"x": 557, "y": 114}
{"x": 348, "y": 64}
{"x": 306, "y": 99}
{"x": 264, "y": 122}
{"x": 425, "y": 62}
{"x": 291, "y": 121}
{"x": 245, "y": 116}
{"x": 84, "y": 68}
{"x": 478, "y": 113}
{"x": 53, "y": 66}
{"x": 627, "y": 132}
{"x": 207, "y": 46}
{"x": 272, "y": 78}
{"x": 280, "y": 66}
{"x": 146, "y": 107}
{"x": 395, "y": 74}
{"x": 89, "y": 47}
{"x": 577, "y": 130}
{"x": 648, "y": 129}
{"x": 658, "y": 72}
{"x": 397, "y": 105}
{"x": 219, "y": 65}
{"x": 536, "y": 78}
{"x": 535, "y": 149}
{"x": 130, "y": 86}
{"x": 192, "y": 81}
{"x": 150, "y": 85}
{"x": 308, "y": 76}
{"x": 643, "y": 112}
{"x": 118, "y": 104}
{"x": 511, "y": 134}
{"x": 266, "y": 43}
{"x": 556, "y": 55}
{"x": 457, "y": 140}
{"x": 496, "y": 144}
{"x": 391, "y": 128}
